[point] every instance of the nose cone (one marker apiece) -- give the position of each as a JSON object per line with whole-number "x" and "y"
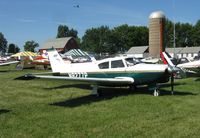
{"x": 172, "y": 69}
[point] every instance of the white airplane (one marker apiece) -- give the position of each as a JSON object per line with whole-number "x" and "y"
{"x": 117, "y": 71}
{"x": 8, "y": 63}
{"x": 190, "y": 67}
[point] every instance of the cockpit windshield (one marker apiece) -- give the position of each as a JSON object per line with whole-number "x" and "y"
{"x": 130, "y": 61}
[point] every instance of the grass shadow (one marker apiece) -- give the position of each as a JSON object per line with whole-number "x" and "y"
{"x": 3, "y": 71}
{"x": 110, "y": 93}
{"x": 165, "y": 92}
{"x": 7, "y": 71}
{"x": 80, "y": 86}
{"x": 2, "y": 111}
{"x": 105, "y": 94}
{"x": 25, "y": 77}
{"x": 197, "y": 79}
{"x": 169, "y": 84}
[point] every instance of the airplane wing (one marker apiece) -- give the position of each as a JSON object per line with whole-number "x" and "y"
{"x": 8, "y": 63}
{"x": 106, "y": 81}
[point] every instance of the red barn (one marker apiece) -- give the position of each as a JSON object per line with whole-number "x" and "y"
{"x": 62, "y": 45}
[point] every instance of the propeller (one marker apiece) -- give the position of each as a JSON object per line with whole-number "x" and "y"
{"x": 172, "y": 69}
{"x": 178, "y": 71}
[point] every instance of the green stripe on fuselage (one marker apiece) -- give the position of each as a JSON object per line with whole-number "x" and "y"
{"x": 139, "y": 77}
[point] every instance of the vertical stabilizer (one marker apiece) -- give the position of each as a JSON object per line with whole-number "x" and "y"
{"x": 56, "y": 61}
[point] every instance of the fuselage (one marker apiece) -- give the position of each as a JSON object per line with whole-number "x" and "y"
{"x": 118, "y": 67}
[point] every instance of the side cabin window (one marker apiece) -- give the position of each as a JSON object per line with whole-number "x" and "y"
{"x": 117, "y": 64}
{"x": 104, "y": 65}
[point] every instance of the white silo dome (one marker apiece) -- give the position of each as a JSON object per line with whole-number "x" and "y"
{"x": 157, "y": 14}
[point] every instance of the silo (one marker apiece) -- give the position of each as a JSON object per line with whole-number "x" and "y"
{"x": 156, "y": 33}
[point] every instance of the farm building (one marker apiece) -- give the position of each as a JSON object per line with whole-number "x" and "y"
{"x": 143, "y": 51}
{"x": 60, "y": 44}
{"x": 189, "y": 52}
{"x": 139, "y": 51}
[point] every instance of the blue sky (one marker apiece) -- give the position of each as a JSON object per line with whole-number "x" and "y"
{"x": 22, "y": 20}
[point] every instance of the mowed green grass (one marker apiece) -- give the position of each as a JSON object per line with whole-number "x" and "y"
{"x": 58, "y": 108}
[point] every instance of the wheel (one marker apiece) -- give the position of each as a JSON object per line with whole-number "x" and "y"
{"x": 156, "y": 92}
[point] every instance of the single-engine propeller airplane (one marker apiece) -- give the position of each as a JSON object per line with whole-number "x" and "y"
{"x": 117, "y": 71}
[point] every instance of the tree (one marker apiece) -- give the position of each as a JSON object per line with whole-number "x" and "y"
{"x": 168, "y": 33}
{"x": 12, "y": 48}
{"x": 3, "y": 43}
{"x": 129, "y": 36}
{"x": 73, "y": 33}
{"x": 17, "y": 49}
{"x": 196, "y": 34}
{"x": 30, "y": 46}
{"x": 96, "y": 40}
{"x": 183, "y": 32}
{"x": 64, "y": 31}
{"x": 119, "y": 39}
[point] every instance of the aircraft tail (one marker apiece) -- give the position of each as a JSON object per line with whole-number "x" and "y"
{"x": 166, "y": 59}
{"x": 56, "y": 61}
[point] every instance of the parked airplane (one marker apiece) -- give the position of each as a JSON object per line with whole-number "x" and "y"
{"x": 117, "y": 71}
{"x": 191, "y": 67}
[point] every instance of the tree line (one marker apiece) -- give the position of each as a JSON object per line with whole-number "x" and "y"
{"x": 121, "y": 38}
{"x": 185, "y": 34}
{"x": 118, "y": 39}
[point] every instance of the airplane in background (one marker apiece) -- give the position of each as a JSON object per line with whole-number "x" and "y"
{"x": 40, "y": 60}
{"x": 8, "y": 63}
{"x": 117, "y": 71}
{"x": 32, "y": 62}
{"x": 190, "y": 67}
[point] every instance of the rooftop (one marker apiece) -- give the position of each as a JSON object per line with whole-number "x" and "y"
{"x": 56, "y": 43}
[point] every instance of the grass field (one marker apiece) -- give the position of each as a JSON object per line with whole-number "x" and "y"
{"x": 55, "y": 108}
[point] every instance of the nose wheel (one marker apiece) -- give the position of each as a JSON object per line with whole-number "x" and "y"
{"x": 156, "y": 92}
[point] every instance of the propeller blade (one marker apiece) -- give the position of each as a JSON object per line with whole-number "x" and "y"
{"x": 182, "y": 72}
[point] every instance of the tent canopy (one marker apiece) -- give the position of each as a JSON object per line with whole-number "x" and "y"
{"x": 25, "y": 54}
{"x": 76, "y": 53}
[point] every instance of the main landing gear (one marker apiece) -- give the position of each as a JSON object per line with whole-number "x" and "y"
{"x": 95, "y": 91}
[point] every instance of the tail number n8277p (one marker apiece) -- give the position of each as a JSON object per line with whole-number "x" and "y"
{"x": 78, "y": 75}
